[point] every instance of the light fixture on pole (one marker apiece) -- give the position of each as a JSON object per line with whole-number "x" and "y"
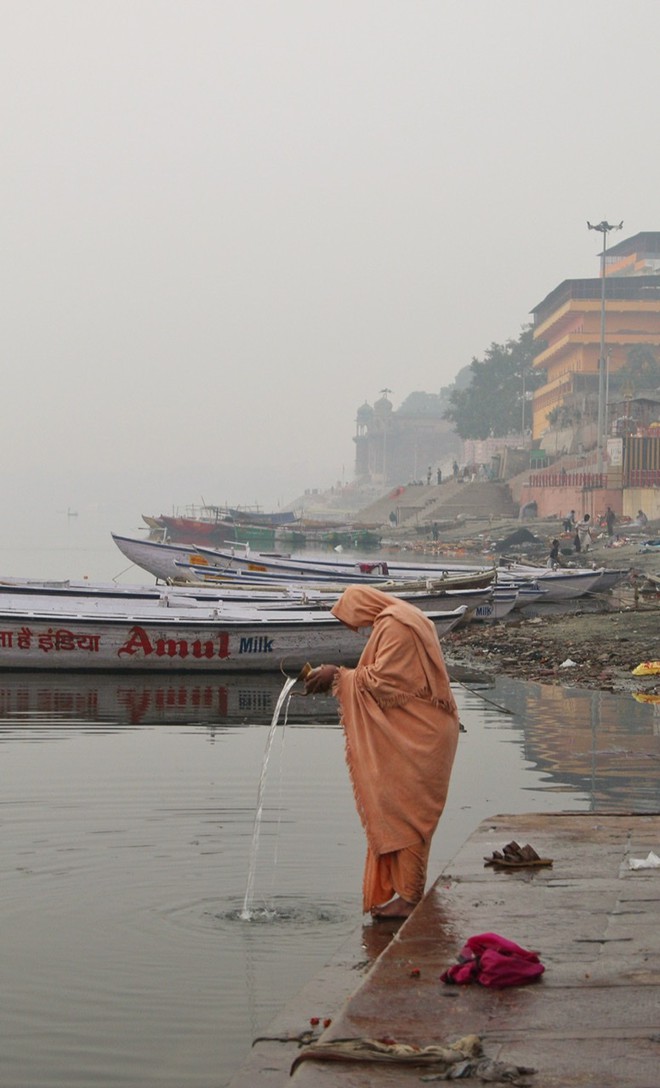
{"x": 604, "y": 227}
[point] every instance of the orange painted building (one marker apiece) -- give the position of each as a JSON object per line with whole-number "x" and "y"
{"x": 567, "y": 325}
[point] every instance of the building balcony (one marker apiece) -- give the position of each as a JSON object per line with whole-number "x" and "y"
{"x": 613, "y": 338}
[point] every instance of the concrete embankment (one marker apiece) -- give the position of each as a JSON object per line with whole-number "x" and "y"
{"x": 592, "y": 1019}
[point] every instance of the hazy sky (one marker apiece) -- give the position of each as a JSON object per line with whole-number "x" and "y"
{"x": 227, "y": 224}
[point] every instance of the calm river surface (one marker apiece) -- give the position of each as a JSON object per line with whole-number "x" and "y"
{"x": 127, "y": 810}
{"x": 127, "y": 818}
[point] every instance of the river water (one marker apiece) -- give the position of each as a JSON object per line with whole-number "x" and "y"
{"x": 128, "y": 811}
{"x": 128, "y": 814}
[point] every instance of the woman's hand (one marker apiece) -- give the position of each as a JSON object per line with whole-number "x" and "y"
{"x": 320, "y": 679}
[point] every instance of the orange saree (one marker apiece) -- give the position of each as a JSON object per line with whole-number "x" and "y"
{"x": 401, "y": 728}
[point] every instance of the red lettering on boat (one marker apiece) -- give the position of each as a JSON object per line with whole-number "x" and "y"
{"x": 138, "y": 641}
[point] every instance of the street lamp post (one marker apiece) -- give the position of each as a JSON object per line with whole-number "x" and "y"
{"x": 604, "y": 227}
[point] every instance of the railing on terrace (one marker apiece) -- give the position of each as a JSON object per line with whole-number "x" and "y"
{"x": 585, "y": 480}
{"x": 643, "y": 477}
{"x": 637, "y": 477}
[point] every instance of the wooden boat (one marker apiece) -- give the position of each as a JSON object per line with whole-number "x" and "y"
{"x": 346, "y": 536}
{"x": 557, "y": 584}
{"x": 166, "y": 561}
{"x": 176, "y": 636}
{"x": 238, "y": 590}
{"x": 427, "y": 597}
{"x": 528, "y": 593}
{"x": 85, "y": 595}
{"x": 218, "y": 525}
{"x": 490, "y": 602}
{"x": 184, "y": 530}
{"x": 222, "y": 533}
{"x": 472, "y": 589}
{"x": 563, "y": 583}
{"x": 501, "y": 602}
{"x": 252, "y": 515}
{"x": 608, "y": 577}
{"x": 560, "y": 584}
{"x": 178, "y": 562}
{"x": 303, "y": 566}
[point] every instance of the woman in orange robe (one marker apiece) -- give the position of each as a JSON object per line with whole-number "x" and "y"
{"x": 401, "y": 727}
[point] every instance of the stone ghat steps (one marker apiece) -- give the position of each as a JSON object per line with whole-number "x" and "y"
{"x": 590, "y": 1021}
{"x": 421, "y": 505}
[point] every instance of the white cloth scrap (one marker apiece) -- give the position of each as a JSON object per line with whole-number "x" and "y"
{"x": 652, "y": 861}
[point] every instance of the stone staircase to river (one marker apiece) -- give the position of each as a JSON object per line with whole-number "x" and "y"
{"x": 418, "y": 505}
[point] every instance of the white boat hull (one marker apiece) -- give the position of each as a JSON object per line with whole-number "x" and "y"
{"x": 560, "y": 585}
{"x": 160, "y": 640}
{"x": 166, "y": 561}
{"x": 179, "y": 562}
{"x": 499, "y": 606}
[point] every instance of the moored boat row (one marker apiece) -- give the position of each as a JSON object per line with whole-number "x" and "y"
{"x": 183, "y": 562}
{"x": 228, "y": 611}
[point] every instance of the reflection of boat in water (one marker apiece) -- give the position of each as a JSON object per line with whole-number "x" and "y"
{"x": 45, "y": 699}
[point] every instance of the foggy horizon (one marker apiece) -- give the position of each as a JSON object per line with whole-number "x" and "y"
{"x": 227, "y": 226}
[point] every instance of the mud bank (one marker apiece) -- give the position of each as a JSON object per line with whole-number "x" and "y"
{"x": 585, "y": 649}
{"x": 603, "y": 637}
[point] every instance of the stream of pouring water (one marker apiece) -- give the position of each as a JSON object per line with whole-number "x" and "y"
{"x": 247, "y": 912}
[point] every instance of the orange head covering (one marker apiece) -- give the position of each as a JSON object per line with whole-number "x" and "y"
{"x": 366, "y": 606}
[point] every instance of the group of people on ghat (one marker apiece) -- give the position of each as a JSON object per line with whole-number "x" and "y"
{"x": 583, "y": 535}
{"x": 584, "y": 531}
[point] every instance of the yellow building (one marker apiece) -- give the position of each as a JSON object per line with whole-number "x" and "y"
{"x": 567, "y": 328}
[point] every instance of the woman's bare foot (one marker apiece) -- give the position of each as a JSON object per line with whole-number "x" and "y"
{"x": 396, "y": 908}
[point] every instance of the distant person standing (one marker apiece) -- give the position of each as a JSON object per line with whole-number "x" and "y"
{"x": 610, "y": 521}
{"x": 554, "y": 559}
{"x": 641, "y": 519}
{"x": 454, "y": 469}
{"x": 583, "y": 534}
{"x": 569, "y": 523}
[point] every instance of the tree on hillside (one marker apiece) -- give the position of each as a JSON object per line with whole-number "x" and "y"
{"x": 423, "y": 404}
{"x": 641, "y": 372}
{"x": 492, "y": 403}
